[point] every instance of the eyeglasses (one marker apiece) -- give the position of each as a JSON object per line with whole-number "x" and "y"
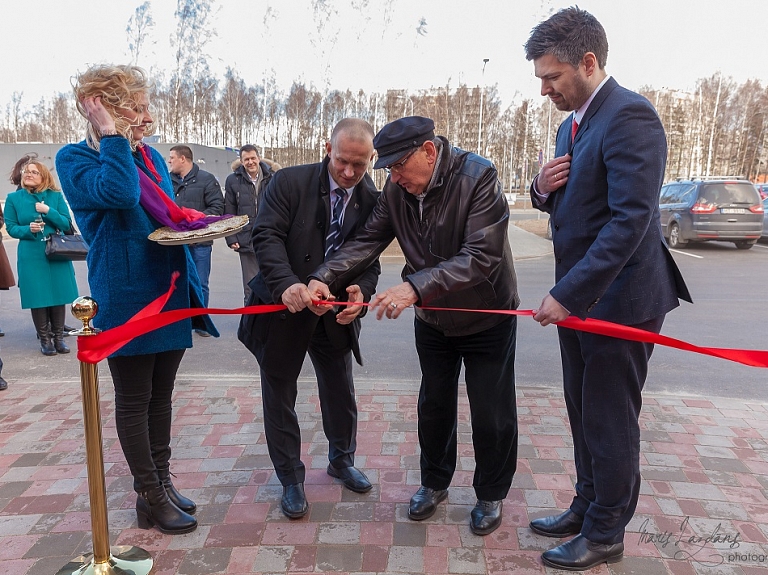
{"x": 398, "y": 167}
{"x": 32, "y": 172}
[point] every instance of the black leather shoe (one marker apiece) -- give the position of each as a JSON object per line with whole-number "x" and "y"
{"x": 485, "y": 517}
{"x": 424, "y": 503}
{"x": 294, "y": 502}
{"x": 2, "y": 333}
{"x": 3, "y": 384}
{"x": 352, "y": 478}
{"x": 580, "y": 554}
{"x": 563, "y": 525}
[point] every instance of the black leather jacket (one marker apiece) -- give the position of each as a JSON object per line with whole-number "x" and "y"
{"x": 457, "y": 253}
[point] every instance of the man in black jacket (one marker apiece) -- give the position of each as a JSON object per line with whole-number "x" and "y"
{"x": 199, "y": 190}
{"x": 241, "y": 197}
{"x": 305, "y": 214}
{"x": 446, "y": 209}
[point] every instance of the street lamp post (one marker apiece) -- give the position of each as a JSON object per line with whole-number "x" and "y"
{"x": 480, "y": 123}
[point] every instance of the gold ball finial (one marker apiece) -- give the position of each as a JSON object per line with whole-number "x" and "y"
{"x": 85, "y": 309}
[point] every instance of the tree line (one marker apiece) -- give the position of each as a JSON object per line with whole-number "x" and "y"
{"x": 721, "y": 128}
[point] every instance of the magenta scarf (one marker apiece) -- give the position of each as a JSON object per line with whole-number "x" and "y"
{"x": 158, "y": 205}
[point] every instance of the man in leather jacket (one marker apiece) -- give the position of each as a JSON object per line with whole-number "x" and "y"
{"x": 446, "y": 209}
{"x": 197, "y": 189}
{"x": 241, "y": 197}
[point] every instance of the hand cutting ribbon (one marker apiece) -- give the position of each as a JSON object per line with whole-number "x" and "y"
{"x": 92, "y": 349}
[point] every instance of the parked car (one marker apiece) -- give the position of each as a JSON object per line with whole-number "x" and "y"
{"x": 706, "y": 209}
{"x": 765, "y": 217}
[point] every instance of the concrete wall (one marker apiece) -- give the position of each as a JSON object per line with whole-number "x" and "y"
{"x": 214, "y": 160}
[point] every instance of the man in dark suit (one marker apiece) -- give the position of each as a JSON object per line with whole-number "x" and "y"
{"x": 305, "y": 214}
{"x": 611, "y": 263}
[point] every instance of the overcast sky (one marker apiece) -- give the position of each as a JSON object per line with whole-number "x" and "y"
{"x": 662, "y": 43}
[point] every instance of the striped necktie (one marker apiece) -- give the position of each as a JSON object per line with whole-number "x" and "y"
{"x": 333, "y": 239}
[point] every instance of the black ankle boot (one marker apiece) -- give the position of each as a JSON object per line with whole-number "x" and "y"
{"x": 183, "y": 503}
{"x": 154, "y": 508}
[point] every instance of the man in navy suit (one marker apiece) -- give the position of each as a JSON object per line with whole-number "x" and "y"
{"x": 611, "y": 263}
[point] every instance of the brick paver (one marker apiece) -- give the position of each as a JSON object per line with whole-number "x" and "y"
{"x": 703, "y": 506}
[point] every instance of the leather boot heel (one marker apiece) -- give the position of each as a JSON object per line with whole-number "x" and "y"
{"x": 153, "y": 507}
{"x": 183, "y": 503}
{"x": 143, "y": 520}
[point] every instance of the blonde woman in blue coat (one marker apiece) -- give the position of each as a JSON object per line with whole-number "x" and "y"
{"x": 33, "y": 212}
{"x": 104, "y": 179}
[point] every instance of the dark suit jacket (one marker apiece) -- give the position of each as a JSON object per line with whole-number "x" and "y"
{"x": 289, "y": 242}
{"x": 611, "y": 261}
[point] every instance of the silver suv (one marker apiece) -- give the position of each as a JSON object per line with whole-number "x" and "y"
{"x": 722, "y": 209}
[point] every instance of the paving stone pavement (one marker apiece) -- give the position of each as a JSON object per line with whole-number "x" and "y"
{"x": 702, "y": 508}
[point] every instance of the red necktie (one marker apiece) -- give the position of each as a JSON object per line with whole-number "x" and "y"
{"x": 574, "y": 129}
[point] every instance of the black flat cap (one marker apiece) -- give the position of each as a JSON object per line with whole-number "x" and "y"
{"x": 397, "y": 138}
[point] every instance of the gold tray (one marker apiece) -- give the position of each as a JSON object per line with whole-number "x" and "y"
{"x": 220, "y": 229}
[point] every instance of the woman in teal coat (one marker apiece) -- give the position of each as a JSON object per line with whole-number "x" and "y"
{"x": 32, "y": 213}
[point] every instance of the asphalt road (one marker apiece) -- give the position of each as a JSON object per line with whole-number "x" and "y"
{"x": 728, "y": 286}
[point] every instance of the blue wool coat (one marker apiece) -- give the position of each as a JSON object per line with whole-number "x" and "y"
{"x": 126, "y": 271}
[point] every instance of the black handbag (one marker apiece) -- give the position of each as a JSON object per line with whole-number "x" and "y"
{"x": 65, "y": 247}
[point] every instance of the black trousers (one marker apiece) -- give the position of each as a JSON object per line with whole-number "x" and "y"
{"x": 143, "y": 389}
{"x": 336, "y": 392}
{"x": 489, "y": 364}
{"x": 603, "y": 379}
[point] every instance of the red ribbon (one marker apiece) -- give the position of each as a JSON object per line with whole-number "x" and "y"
{"x": 92, "y": 349}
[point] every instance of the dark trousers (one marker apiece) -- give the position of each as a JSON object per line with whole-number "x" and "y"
{"x": 249, "y": 266}
{"x": 337, "y": 405}
{"x": 489, "y": 364}
{"x": 143, "y": 389}
{"x": 603, "y": 379}
{"x": 201, "y": 255}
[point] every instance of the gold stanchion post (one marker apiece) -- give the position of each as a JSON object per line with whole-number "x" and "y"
{"x": 122, "y": 559}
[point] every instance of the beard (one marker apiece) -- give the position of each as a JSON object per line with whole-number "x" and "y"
{"x": 578, "y": 94}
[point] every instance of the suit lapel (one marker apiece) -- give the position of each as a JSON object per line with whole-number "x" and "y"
{"x": 323, "y": 200}
{"x": 351, "y": 213}
{"x": 594, "y": 106}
